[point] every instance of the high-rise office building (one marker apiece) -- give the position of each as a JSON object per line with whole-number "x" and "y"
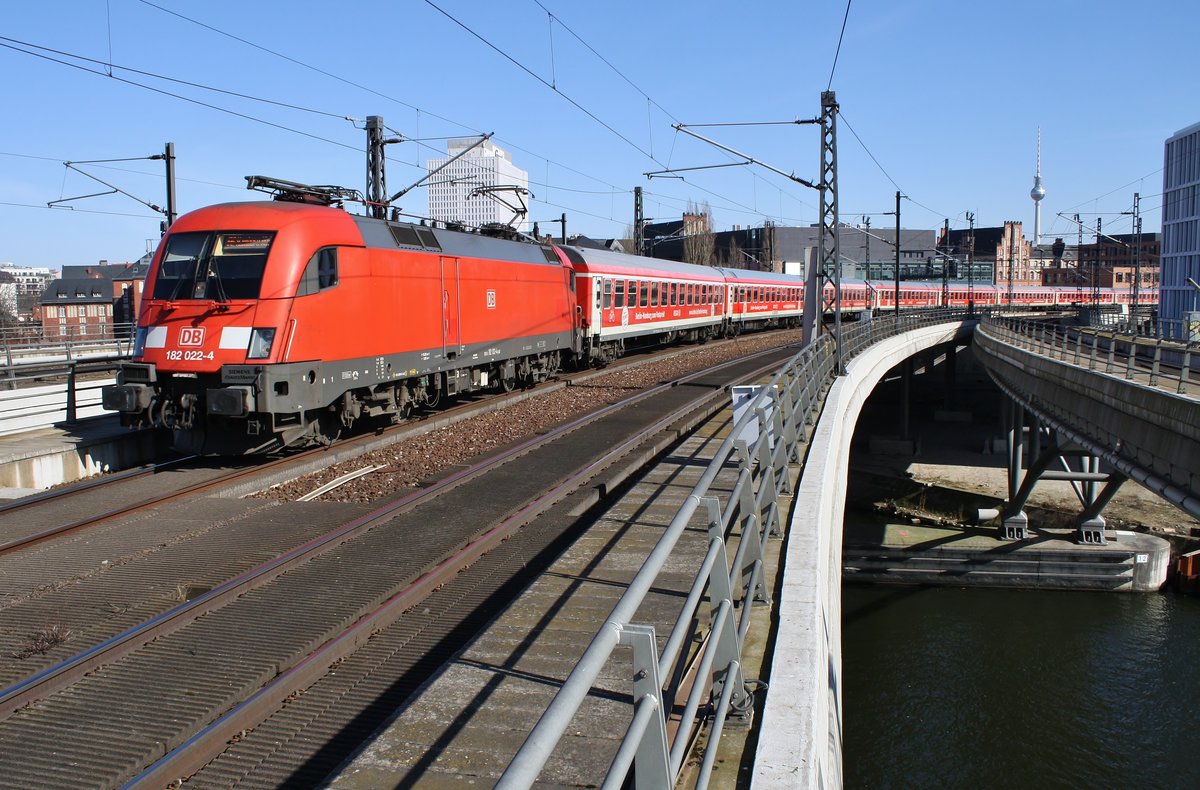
{"x": 1179, "y": 288}
{"x": 454, "y": 193}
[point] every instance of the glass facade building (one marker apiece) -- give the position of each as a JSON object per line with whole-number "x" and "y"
{"x": 1181, "y": 229}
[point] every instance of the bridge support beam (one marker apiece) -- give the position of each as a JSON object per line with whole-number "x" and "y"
{"x": 1045, "y": 448}
{"x": 1015, "y": 524}
{"x": 1091, "y": 523}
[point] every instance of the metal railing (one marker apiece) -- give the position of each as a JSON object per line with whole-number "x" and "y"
{"x": 1145, "y": 323}
{"x": 1132, "y": 356}
{"x": 53, "y": 343}
{"x": 38, "y": 395}
{"x": 786, "y": 410}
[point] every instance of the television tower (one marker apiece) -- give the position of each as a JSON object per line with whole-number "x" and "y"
{"x": 1037, "y": 193}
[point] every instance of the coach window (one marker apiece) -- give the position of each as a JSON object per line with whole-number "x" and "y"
{"x": 620, "y": 300}
{"x": 644, "y": 294}
{"x": 608, "y": 294}
{"x": 321, "y": 272}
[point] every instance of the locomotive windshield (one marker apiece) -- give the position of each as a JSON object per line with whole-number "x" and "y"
{"x": 217, "y": 266}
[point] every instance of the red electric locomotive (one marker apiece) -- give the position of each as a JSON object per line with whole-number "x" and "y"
{"x": 270, "y": 324}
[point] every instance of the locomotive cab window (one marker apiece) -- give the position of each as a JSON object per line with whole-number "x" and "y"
{"x": 321, "y": 272}
{"x": 216, "y": 266}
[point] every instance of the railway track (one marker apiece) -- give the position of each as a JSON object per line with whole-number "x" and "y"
{"x": 90, "y": 561}
{"x": 92, "y": 502}
{"x": 249, "y": 608}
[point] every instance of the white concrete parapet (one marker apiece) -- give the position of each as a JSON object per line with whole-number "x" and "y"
{"x": 800, "y": 739}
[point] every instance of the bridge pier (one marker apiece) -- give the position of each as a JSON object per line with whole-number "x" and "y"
{"x": 951, "y": 363}
{"x": 1015, "y": 524}
{"x": 1045, "y": 447}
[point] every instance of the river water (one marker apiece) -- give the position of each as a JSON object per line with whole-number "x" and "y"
{"x": 979, "y": 688}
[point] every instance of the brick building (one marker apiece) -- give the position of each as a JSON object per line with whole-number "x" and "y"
{"x": 77, "y": 309}
{"x": 996, "y": 249}
{"x": 100, "y": 300}
{"x": 1112, "y": 262}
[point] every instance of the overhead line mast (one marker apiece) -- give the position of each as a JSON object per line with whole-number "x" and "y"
{"x": 827, "y": 268}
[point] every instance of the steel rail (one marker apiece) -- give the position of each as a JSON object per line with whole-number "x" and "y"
{"x": 59, "y": 494}
{"x": 351, "y": 445}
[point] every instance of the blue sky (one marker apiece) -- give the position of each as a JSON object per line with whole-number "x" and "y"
{"x": 946, "y": 95}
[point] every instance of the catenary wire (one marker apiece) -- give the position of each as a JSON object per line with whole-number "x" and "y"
{"x": 747, "y": 209}
{"x": 838, "y": 51}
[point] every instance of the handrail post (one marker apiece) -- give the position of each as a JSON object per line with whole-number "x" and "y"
{"x": 71, "y": 396}
{"x": 651, "y": 765}
{"x": 12, "y": 372}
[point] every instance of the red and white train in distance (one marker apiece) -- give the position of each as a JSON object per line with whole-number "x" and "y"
{"x": 282, "y": 323}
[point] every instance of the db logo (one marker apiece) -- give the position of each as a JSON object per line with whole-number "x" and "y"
{"x": 191, "y": 336}
{"x": 491, "y": 300}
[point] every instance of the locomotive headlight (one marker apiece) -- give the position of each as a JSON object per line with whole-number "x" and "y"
{"x": 139, "y": 341}
{"x": 261, "y": 341}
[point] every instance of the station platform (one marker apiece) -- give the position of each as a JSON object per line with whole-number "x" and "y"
{"x": 36, "y": 460}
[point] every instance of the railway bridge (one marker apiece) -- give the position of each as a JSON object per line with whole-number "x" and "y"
{"x": 1081, "y": 395}
{"x": 1074, "y": 398}
{"x": 706, "y": 535}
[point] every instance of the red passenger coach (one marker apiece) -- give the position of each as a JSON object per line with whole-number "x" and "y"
{"x": 627, "y": 300}
{"x": 760, "y": 299}
{"x": 275, "y": 323}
